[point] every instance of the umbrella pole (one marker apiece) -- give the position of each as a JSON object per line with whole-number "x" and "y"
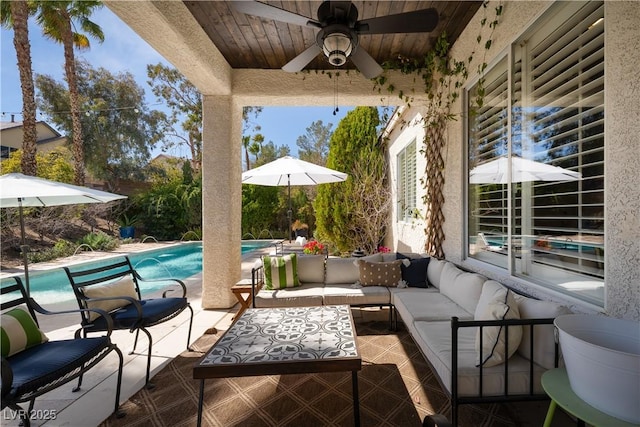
{"x": 289, "y": 212}
{"x": 24, "y": 248}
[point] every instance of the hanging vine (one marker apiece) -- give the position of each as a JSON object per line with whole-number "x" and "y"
{"x": 443, "y": 78}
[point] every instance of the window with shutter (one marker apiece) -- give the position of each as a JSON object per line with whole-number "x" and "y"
{"x": 407, "y": 182}
{"x": 544, "y": 106}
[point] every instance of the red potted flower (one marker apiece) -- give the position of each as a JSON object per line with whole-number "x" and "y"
{"x": 313, "y": 248}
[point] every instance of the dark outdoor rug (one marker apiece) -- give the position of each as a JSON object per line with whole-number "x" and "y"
{"x": 397, "y": 388}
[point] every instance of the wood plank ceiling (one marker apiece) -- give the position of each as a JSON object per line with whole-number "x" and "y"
{"x": 252, "y": 42}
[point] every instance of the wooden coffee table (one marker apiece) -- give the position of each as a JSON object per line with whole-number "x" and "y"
{"x": 277, "y": 341}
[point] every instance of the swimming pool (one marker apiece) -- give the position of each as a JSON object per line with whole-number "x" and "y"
{"x": 177, "y": 262}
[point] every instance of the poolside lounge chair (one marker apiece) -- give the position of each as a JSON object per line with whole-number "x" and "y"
{"x": 33, "y": 365}
{"x": 484, "y": 244}
{"x": 116, "y": 289}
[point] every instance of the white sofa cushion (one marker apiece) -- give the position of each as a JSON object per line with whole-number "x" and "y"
{"x": 301, "y": 296}
{"x": 496, "y": 303}
{"x": 491, "y": 290}
{"x": 426, "y": 304}
{"x": 345, "y": 270}
{"x": 543, "y": 335}
{"x": 311, "y": 269}
{"x": 434, "y": 339}
{"x": 434, "y": 271}
{"x": 352, "y": 295}
{"x": 463, "y": 288}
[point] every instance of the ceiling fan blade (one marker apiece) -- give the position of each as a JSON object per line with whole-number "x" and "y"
{"x": 301, "y": 61}
{"x": 271, "y": 12}
{"x": 365, "y": 63}
{"x": 419, "y": 21}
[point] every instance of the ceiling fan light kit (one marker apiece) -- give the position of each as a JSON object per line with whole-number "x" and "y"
{"x": 336, "y": 45}
{"x": 340, "y": 29}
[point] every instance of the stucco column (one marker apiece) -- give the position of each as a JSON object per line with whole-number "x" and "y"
{"x": 622, "y": 193}
{"x": 221, "y": 199}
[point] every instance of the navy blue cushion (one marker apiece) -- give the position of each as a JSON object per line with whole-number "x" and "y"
{"x": 416, "y": 273}
{"x": 39, "y": 365}
{"x": 153, "y": 311}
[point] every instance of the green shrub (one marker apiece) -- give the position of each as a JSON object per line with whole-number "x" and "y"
{"x": 62, "y": 248}
{"x": 99, "y": 241}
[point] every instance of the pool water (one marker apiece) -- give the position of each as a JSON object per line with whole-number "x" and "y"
{"x": 176, "y": 262}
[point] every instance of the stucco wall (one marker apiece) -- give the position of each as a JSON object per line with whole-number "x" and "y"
{"x": 406, "y": 236}
{"x": 622, "y": 159}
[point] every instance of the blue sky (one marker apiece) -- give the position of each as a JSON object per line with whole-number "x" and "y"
{"x": 124, "y": 50}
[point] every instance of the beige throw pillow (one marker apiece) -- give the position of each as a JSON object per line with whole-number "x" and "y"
{"x": 496, "y": 303}
{"x": 380, "y": 273}
{"x": 123, "y": 287}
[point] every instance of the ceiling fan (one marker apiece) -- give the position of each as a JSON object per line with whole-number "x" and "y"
{"x": 340, "y": 30}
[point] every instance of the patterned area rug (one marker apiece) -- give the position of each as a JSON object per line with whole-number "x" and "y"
{"x": 397, "y": 388}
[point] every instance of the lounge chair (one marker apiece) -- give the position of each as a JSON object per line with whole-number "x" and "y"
{"x": 115, "y": 288}
{"x": 484, "y": 244}
{"x": 33, "y": 365}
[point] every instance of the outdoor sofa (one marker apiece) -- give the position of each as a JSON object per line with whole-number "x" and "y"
{"x": 444, "y": 313}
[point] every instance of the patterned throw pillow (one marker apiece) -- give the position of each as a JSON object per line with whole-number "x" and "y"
{"x": 380, "y": 273}
{"x": 123, "y": 287}
{"x": 19, "y": 332}
{"x": 281, "y": 272}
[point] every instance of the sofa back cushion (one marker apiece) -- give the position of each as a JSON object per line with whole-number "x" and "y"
{"x": 543, "y": 335}
{"x": 311, "y": 268}
{"x": 380, "y": 273}
{"x": 346, "y": 270}
{"x": 462, "y": 288}
{"x": 434, "y": 271}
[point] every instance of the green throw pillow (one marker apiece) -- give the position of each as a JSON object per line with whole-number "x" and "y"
{"x": 19, "y": 332}
{"x": 281, "y": 272}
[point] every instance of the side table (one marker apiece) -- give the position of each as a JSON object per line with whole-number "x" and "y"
{"x": 555, "y": 383}
{"x": 243, "y": 287}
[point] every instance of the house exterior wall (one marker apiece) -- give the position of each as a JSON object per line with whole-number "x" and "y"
{"x": 622, "y": 158}
{"x": 404, "y": 236}
{"x": 47, "y": 139}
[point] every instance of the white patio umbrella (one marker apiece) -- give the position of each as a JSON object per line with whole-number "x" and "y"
{"x": 522, "y": 170}
{"x": 291, "y": 171}
{"x": 18, "y": 191}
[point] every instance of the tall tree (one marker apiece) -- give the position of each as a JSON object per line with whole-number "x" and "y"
{"x": 185, "y": 102}
{"x": 354, "y": 142}
{"x": 119, "y": 128}
{"x": 249, "y": 141}
{"x": 269, "y": 152}
{"x": 59, "y": 21}
{"x": 15, "y": 14}
{"x": 313, "y": 146}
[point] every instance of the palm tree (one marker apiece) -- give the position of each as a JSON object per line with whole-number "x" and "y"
{"x": 15, "y": 14}
{"x": 59, "y": 21}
